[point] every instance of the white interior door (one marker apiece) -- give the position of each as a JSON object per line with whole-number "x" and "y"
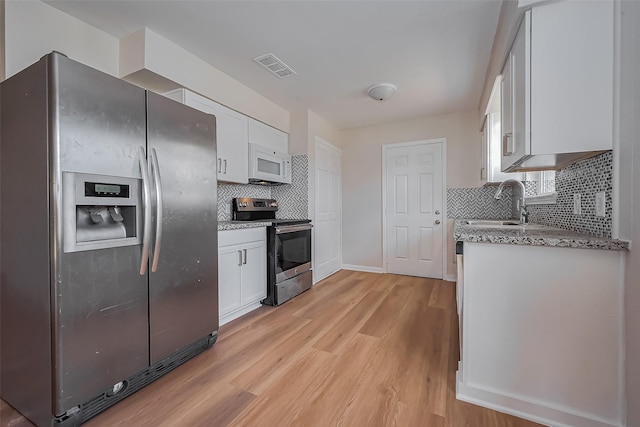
{"x": 413, "y": 211}
{"x": 328, "y": 210}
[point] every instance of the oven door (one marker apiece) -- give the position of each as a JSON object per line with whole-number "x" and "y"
{"x": 292, "y": 250}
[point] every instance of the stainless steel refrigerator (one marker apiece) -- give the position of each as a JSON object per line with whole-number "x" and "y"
{"x": 108, "y": 239}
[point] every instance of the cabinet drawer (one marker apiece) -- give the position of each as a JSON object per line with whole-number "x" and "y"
{"x": 245, "y": 235}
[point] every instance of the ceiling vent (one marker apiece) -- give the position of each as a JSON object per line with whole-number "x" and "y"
{"x": 276, "y": 66}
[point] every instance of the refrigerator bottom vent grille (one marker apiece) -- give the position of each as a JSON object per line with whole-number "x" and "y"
{"x": 104, "y": 400}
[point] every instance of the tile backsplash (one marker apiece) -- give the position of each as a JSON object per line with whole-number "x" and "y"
{"x": 478, "y": 203}
{"x": 227, "y": 192}
{"x": 292, "y": 198}
{"x": 585, "y": 178}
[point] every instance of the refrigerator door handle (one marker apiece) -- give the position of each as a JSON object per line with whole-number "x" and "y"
{"x": 155, "y": 170}
{"x": 146, "y": 200}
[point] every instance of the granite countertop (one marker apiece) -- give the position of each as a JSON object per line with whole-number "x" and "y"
{"x": 532, "y": 235}
{"x": 236, "y": 225}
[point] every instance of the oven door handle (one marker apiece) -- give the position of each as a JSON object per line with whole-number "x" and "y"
{"x": 293, "y": 228}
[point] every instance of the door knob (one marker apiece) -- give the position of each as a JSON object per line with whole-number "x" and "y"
{"x": 437, "y": 221}
{"x": 437, "y": 212}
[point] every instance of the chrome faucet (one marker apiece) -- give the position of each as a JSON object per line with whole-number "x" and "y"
{"x": 524, "y": 216}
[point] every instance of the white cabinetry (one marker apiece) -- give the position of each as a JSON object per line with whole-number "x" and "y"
{"x": 558, "y": 86}
{"x": 242, "y": 271}
{"x": 231, "y": 135}
{"x": 491, "y": 152}
{"x": 542, "y": 332}
{"x": 265, "y": 135}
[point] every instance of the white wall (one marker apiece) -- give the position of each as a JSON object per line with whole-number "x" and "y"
{"x": 362, "y": 176}
{"x": 505, "y": 34}
{"x": 630, "y": 173}
{"x": 154, "y": 62}
{"x": 305, "y": 126}
{"x": 2, "y": 55}
{"x": 34, "y": 29}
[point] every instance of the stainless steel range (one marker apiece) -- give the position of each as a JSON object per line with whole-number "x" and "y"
{"x": 288, "y": 249}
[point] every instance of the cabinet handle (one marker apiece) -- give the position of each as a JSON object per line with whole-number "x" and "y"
{"x": 219, "y": 165}
{"x": 505, "y": 144}
{"x": 245, "y": 256}
{"x": 437, "y": 222}
{"x": 483, "y": 173}
{"x": 240, "y": 261}
{"x": 225, "y": 166}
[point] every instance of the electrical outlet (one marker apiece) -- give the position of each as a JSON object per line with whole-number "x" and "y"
{"x": 577, "y": 205}
{"x": 600, "y": 204}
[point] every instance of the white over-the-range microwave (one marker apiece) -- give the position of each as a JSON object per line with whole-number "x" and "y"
{"x": 267, "y": 166}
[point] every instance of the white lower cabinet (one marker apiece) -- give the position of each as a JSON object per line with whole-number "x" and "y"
{"x": 542, "y": 333}
{"x": 242, "y": 271}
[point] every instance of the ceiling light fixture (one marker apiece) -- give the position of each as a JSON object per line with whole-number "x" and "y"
{"x": 382, "y": 91}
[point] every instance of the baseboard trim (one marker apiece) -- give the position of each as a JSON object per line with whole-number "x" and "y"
{"x": 241, "y": 312}
{"x": 363, "y": 268}
{"x": 528, "y": 410}
{"x": 450, "y": 277}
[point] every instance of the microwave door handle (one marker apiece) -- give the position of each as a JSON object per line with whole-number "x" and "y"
{"x": 146, "y": 201}
{"x": 155, "y": 169}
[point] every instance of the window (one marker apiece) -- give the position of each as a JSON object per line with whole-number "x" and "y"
{"x": 541, "y": 188}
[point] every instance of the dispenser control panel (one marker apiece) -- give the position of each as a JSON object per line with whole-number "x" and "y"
{"x": 100, "y": 211}
{"x": 96, "y": 189}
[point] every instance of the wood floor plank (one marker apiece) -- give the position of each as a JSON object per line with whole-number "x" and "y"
{"x": 336, "y": 339}
{"x": 282, "y": 403}
{"x": 442, "y": 295}
{"x": 385, "y": 315}
{"x": 275, "y": 364}
{"x": 358, "y": 349}
{"x": 327, "y": 406}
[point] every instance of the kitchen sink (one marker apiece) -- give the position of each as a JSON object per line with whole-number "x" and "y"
{"x": 503, "y": 224}
{"x": 490, "y": 223}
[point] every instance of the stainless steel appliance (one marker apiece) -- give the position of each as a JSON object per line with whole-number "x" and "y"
{"x": 267, "y": 166}
{"x": 289, "y": 270}
{"x": 109, "y": 239}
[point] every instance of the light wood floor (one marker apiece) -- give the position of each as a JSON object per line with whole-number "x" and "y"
{"x": 359, "y": 349}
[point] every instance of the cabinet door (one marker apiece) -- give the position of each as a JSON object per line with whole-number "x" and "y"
{"x": 257, "y": 133}
{"x": 278, "y": 140}
{"x": 267, "y": 136}
{"x": 484, "y": 151}
{"x": 232, "y": 142}
{"x": 506, "y": 112}
{"x": 521, "y": 78}
{"x": 233, "y": 148}
{"x": 254, "y": 272}
{"x": 516, "y": 90}
{"x": 572, "y": 75}
{"x": 229, "y": 278}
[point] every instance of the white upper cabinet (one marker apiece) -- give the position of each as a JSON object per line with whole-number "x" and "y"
{"x": 231, "y": 134}
{"x": 558, "y": 86}
{"x": 265, "y": 135}
{"x": 491, "y": 148}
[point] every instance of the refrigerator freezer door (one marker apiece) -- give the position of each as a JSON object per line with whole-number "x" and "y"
{"x": 183, "y": 292}
{"x": 100, "y": 299}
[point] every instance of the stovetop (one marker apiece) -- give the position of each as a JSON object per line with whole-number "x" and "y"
{"x": 289, "y": 221}
{"x": 247, "y": 209}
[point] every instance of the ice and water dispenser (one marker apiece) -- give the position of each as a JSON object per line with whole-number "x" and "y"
{"x": 100, "y": 211}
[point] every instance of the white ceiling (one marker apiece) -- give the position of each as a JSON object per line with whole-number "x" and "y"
{"x": 435, "y": 52}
